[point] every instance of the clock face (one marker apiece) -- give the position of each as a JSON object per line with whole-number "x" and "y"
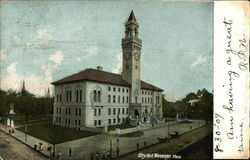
{"x": 126, "y": 55}
{"x": 137, "y": 56}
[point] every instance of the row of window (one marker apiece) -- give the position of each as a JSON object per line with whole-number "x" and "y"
{"x": 69, "y": 96}
{"x": 118, "y": 120}
{"x": 147, "y": 100}
{"x": 119, "y": 111}
{"x": 147, "y": 92}
{"x": 67, "y": 121}
{"x": 59, "y": 98}
{"x": 115, "y": 121}
{"x": 118, "y": 89}
{"x": 119, "y": 99}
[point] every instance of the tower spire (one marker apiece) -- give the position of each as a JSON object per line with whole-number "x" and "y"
{"x": 132, "y": 16}
{"x": 23, "y": 88}
{"x": 48, "y": 93}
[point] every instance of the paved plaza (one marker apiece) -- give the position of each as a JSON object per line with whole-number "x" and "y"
{"x": 85, "y": 147}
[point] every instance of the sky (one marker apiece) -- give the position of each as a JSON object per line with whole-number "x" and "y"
{"x": 43, "y": 41}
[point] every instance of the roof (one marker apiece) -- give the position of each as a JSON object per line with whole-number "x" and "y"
{"x": 132, "y": 16}
{"x": 102, "y": 77}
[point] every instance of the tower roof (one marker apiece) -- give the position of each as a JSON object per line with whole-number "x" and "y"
{"x": 132, "y": 16}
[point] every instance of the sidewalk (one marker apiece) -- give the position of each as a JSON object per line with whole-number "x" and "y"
{"x": 100, "y": 143}
{"x": 30, "y": 140}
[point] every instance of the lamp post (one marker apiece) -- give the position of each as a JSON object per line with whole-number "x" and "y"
{"x": 117, "y": 149}
{"x": 110, "y": 143}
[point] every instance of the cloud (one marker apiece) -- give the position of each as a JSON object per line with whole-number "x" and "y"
{"x": 57, "y": 57}
{"x": 3, "y": 54}
{"x": 36, "y": 84}
{"x": 118, "y": 68}
{"x": 198, "y": 61}
{"x": 92, "y": 50}
{"x": 171, "y": 97}
{"x": 78, "y": 59}
{"x": 43, "y": 34}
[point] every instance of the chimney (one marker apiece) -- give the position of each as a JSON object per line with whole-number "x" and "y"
{"x": 100, "y": 68}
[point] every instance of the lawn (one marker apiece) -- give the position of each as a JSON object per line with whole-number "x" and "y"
{"x": 55, "y": 134}
{"x": 21, "y": 119}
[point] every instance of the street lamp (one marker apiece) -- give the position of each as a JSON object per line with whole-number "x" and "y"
{"x": 110, "y": 142}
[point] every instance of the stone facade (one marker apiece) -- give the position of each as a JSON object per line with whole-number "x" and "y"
{"x": 95, "y": 98}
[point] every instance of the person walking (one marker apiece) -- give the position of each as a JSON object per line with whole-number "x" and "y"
{"x": 70, "y": 151}
{"x": 59, "y": 155}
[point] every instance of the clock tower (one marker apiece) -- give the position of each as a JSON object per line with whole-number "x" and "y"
{"x": 131, "y": 65}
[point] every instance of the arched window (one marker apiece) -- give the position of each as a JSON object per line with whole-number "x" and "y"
{"x": 99, "y": 96}
{"x": 95, "y": 96}
{"x": 113, "y": 98}
{"x": 109, "y": 98}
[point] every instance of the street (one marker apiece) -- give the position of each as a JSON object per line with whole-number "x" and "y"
{"x": 12, "y": 149}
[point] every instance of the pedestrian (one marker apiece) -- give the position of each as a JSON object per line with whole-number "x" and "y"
{"x": 35, "y": 146}
{"x": 53, "y": 153}
{"x": 70, "y": 151}
{"x": 109, "y": 156}
{"x": 97, "y": 156}
{"x": 59, "y": 155}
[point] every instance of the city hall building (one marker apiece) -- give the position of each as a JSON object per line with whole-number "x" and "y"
{"x": 95, "y": 98}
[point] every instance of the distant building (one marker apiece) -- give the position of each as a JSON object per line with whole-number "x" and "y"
{"x": 94, "y": 98}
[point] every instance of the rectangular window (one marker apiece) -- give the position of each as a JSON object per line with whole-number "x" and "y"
{"x": 114, "y": 121}
{"x": 114, "y": 89}
{"x": 123, "y": 99}
{"x": 60, "y": 111}
{"x": 95, "y": 122}
{"x": 80, "y": 111}
{"x": 119, "y": 110}
{"x": 57, "y": 97}
{"x": 127, "y": 99}
{"x": 60, "y": 98}
{"x": 113, "y": 98}
{"x": 76, "y": 111}
{"x": 95, "y": 110}
{"x": 109, "y": 98}
{"x": 109, "y": 121}
{"x": 123, "y": 110}
{"x": 99, "y": 122}
{"x": 70, "y": 96}
{"x": 119, "y": 89}
{"x": 69, "y": 111}
{"x": 123, "y": 90}
{"x": 109, "y": 88}
{"x": 123, "y": 120}
{"x": 127, "y": 110}
{"x": 75, "y": 122}
{"x": 127, "y": 90}
{"x": 76, "y": 95}
{"x": 80, "y": 95}
{"x": 68, "y": 121}
{"x": 114, "y": 111}
{"x": 142, "y": 100}
{"x": 118, "y": 99}
{"x": 56, "y": 110}
{"x": 67, "y": 96}
{"x": 109, "y": 111}
{"x": 59, "y": 119}
{"x": 79, "y": 122}
{"x": 99, "y": 111}
{"x": 66, "y": 112}
{"x": 119, "y": 120}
